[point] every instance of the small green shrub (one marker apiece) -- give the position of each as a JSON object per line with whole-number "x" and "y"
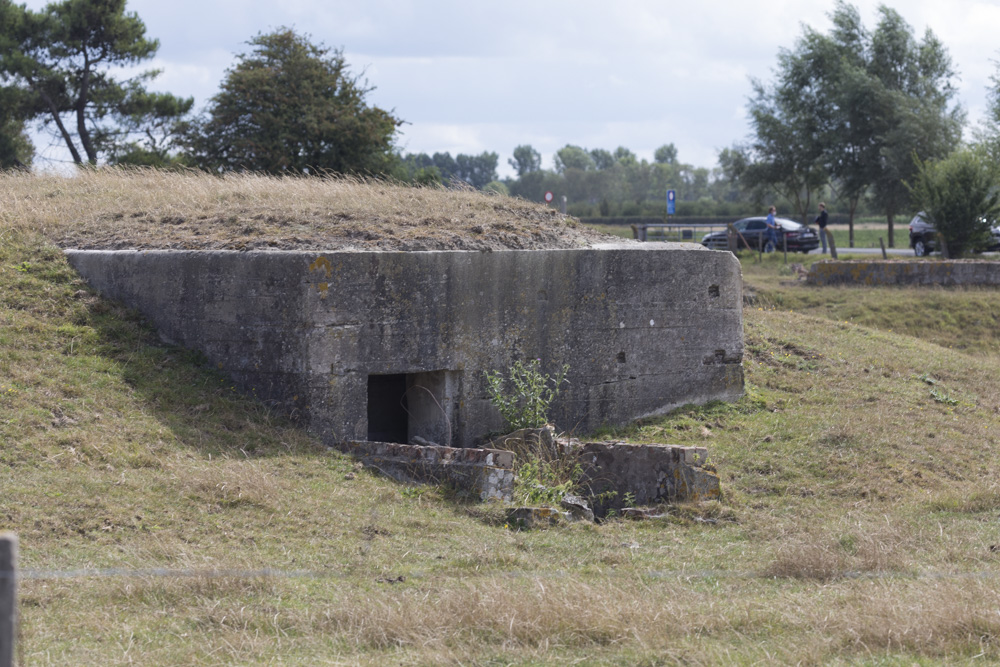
{"x": 526, "y": 403}
{"x": 541, "y": 482}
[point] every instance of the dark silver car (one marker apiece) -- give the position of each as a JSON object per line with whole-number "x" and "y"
{"x": 752, "y": 233}
{"x": 923, "y": 237}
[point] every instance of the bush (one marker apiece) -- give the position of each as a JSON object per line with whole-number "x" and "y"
{"x": 958, "y": 197}
{"x": 526, "y": 405}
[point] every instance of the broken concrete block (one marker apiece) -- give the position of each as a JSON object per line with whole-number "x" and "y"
{"x": 643, "y": 474}
{"x": 578, "y": 508}
{"x": 487, "y": 473}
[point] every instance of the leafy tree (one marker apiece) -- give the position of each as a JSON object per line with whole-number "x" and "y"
{"x": 603, "y": 159}
{"x": 624, "y": 155}
{"x": 532, "y": 186}
{"x": 149, "y": 130}
{"x": 497, "y": 187}
{"x": 827, "y": 76}
{"x": 959, "y": 197}
{"x": 16, "y": 150}
{"x": 61, "y": 60}
{"x": 477, "y": 170}
{"x": 526, "y": 160}
{"x": 784, "y": 156}
{"x": 447, "y": 165}
{"x": 290, "y": 105}
{"x": 988, "y": 136}
{"x": 665, "y": 154}
{"x": 573, "y": 157}
{"x": 428, "y": 176}
{"x": 913, "y": 112}
{"x": 850, "y": 109}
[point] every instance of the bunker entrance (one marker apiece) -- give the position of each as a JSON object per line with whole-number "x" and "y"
{"x": 387, "y": 409}
{"x": 412, "y": 407}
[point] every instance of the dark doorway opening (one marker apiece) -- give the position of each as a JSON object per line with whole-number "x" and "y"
{"x": 388, "y": 418}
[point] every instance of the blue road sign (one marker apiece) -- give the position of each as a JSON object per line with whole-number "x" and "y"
{"x": 671, "y": 199}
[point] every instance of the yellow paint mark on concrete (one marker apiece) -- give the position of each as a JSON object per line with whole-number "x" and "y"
{"x": 322, "y": 263}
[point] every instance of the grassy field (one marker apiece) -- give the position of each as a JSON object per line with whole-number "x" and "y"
{"x": 859, "y": 523}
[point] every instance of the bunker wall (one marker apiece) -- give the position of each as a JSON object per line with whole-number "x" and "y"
{"x": 327, "y": 336}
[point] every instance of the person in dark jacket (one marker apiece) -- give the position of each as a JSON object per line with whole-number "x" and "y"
{"x": 821, "y": 220}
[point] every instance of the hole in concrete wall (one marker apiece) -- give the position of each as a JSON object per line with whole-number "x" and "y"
{"x": 432, "y": 397}
{"x": 388, "y": 419}
{"x": 413, "y": 407}
{"x": 713, "y": 290}
{"x": 621, "y": 357}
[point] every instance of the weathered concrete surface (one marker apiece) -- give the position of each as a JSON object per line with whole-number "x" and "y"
{"x": 650, "y": 473}
{"x": 910, "y": 272}
{"x": 644, "y": 327}
{"x": 488, "y": 473}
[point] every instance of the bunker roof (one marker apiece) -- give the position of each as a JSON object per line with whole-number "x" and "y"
{"x": 109, "y": 208}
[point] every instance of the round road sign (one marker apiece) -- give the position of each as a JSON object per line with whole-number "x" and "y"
{"x": 548, "y": 197}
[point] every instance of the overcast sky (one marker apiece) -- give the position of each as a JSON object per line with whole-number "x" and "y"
{"x": 470, "y": 76}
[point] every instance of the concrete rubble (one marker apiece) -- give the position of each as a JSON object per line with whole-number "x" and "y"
{"x": 614, "y": 474}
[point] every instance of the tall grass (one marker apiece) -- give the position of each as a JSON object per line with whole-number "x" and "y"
{"x": 858, "y": 523}
{"x": 116, "y": 208}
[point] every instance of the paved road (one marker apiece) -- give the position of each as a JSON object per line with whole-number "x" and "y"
{"x": 867, "y": 251}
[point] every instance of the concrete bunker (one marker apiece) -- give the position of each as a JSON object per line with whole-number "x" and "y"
{"x": 393, "y": 346}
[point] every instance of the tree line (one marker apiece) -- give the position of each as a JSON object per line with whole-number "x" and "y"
{"x": 863, "y": 118}
{"x": 851, "y": 112}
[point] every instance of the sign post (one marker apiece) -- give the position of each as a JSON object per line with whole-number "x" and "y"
{"x": 8, "y": 597}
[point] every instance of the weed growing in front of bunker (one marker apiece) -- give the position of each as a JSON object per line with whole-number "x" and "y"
{"x": 545, "y": 482}
{"x": 525, "y": 404}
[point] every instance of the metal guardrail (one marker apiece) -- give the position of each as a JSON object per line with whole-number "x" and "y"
{"x": 672, "y": 231}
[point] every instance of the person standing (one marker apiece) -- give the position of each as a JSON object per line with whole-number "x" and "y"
{"x": 772, "y": 231}
{"x": 821, "y": 220}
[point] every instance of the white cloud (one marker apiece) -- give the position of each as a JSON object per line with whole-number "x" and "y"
{"x": 472, "y": 76}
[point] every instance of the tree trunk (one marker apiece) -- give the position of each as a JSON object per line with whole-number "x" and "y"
{"x": 81, "y": 113}
{"x": 852, "y": 206}
{"x": 890, "y": 217}
{"x": 62, "y": 129}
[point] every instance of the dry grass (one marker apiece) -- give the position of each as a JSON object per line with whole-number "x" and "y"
{"x": 137, "y": 208}
{"x": 858, "y": 526}
{"x": 524, "y": 620}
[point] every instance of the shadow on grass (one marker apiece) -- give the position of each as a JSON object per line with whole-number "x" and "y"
{"x": 86, "y": 353}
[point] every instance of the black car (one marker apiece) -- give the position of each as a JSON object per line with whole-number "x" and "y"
{"x": 923, "y": 237}
{"x": 799, "y": 238}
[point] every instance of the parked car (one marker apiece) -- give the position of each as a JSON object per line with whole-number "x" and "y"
{"x": 799, "y": 238}
{"x": 923, "y": 237}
